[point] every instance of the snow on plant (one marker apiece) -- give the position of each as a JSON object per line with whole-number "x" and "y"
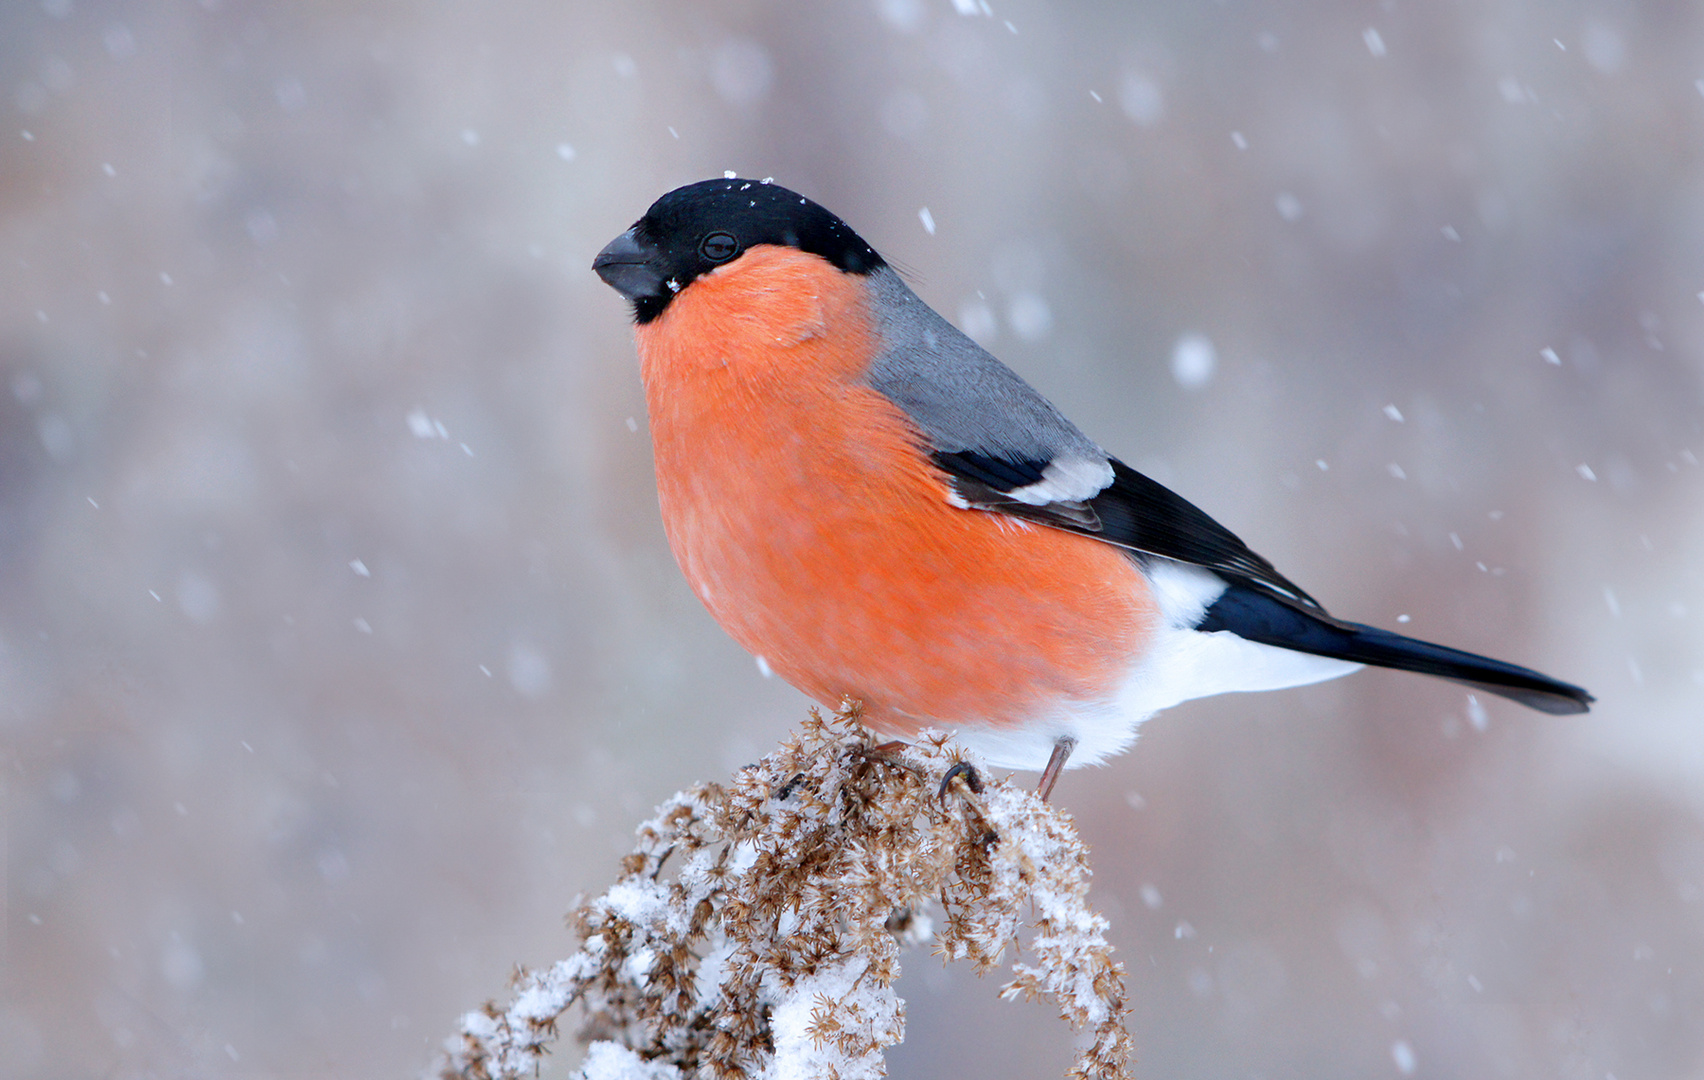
{"x": 772, "y": 951}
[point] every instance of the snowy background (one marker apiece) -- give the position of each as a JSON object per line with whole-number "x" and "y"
{"x": 340, "y": 646}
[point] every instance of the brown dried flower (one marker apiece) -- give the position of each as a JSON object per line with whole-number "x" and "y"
{"x": 772, "y": 951}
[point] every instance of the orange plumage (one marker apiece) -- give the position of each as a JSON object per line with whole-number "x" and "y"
{"x": 805, "y": 514}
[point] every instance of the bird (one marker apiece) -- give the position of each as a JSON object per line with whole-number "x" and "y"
{"x": 883, "y": 512}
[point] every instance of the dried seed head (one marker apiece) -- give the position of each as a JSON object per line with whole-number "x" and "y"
{"x": 774, "y": 948}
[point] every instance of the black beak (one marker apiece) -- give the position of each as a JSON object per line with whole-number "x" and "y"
{"x": 630, "y": 267}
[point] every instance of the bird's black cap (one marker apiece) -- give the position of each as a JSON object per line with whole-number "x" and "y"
{"x": 694, "y": 229}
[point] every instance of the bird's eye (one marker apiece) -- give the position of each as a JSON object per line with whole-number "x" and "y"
{"x": 718, "y": 247}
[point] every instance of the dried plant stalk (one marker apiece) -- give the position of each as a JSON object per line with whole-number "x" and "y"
{"x": 773, "y": 949}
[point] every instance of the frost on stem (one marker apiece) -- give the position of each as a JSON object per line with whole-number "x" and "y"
{"x": 772, "y": 951}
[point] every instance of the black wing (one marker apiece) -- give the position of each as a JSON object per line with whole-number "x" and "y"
{"x": 1259, "y": 604}
{"x": 1132, "y": 512}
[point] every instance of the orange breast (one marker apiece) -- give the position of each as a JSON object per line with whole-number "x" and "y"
{"x": 803, "y": 512}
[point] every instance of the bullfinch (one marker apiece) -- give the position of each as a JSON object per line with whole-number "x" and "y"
{"x": 881, "y": 510}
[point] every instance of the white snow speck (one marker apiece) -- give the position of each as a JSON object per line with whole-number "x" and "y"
{"x": 1450, "y": 234}
{"x": 118, "y": 41}
{"x": 764, "y": 669}
{"x": 1141, "y": 99}
{"x": 1604, "y": 46}
{"x": 420, "y": 424}
{"x": 1323, "y": 465}
{"x": 154, "y": 594}
{"x": 198, "y": 597}
{"x": 1393, "y": 412}
{"x": 1585, "y": 472}
{"x": 1092, "y": 93}
{"x": 633, "y": 425}
{"x": 364, "y": 626}
{"x": 1476, "y": 716}
{"x": 1404, "y": 618}
{"x": 1200, "y": 983}
{"x": 624, "y": 65}
{"x": 107, "y": 168}
{"x": 485, "y": 670}
{"x": 1473, "y": 981}
{"x": 181, "y": 964}
{"x": 1611, "y": 602}
{"x": 1455, "y": 538}
{"x": 673, "y": 132}
{"x": 92, "y": 501}
{"x": 1183, "y": 931}
{"x": 966, "y": 7}
{"x": 360, "y": 568}
{"x": 1550, "y": 356}
{"x": 1289, "y": 207}
{"x": 1403, "y": 1055}
{"x": 529, "y": 671}
{"x": 1559, "y": 44}
{"x": 1151, "y": 896}
{"x": 977, "y": 320}
{"x": 927, "y": 219}
{"x": 57, "y": 436}
{"x": 903, "y": 15}
{"x": 1238, "y": 141}
{"x": 741, "y": 71}
{"x": 165, "y": 278}
{"x": 1375, "y": 43}
{"x": 1029, "y": 316}
{"x": 1193, "y": 361}
{"x": 565, "y": 151}
{"x": 1395, "y": 470}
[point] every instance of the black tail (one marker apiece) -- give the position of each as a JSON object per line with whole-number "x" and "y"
{"x": 1257, "y": 617}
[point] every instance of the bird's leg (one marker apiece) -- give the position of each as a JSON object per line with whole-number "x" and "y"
{"x": 1055, "y": 765}
{"x": 972, "y": 778}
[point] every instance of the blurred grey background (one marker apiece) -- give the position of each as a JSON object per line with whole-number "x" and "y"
{"x": 340, "y": 646}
